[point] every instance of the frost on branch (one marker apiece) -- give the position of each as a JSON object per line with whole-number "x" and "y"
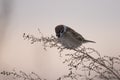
{"x": 20, "y": 75}
{"x": 83, "y": 63}
{"x": 45, "y": 41}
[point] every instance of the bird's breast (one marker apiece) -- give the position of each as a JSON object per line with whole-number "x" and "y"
{"x": 68, "y": 41}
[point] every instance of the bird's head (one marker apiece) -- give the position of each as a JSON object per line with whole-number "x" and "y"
{"x": 59, "y": 30}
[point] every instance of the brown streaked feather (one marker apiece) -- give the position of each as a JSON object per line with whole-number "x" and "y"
{"x": 75, "y": 34}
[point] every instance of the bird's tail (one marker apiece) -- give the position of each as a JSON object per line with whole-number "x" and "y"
{"x": 86, "y": 41}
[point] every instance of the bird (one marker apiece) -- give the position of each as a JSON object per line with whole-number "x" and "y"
{"x": 69, "y": 38}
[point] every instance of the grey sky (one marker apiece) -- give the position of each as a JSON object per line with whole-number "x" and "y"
{"x": 97, "y": 20}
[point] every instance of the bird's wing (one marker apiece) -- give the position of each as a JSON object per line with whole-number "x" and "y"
{"x": 76, "y": 35}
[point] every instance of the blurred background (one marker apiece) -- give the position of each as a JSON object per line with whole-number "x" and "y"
{"x": 97, "y": 20}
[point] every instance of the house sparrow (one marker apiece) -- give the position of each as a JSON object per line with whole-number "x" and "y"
{"x": 69, "y": 38}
